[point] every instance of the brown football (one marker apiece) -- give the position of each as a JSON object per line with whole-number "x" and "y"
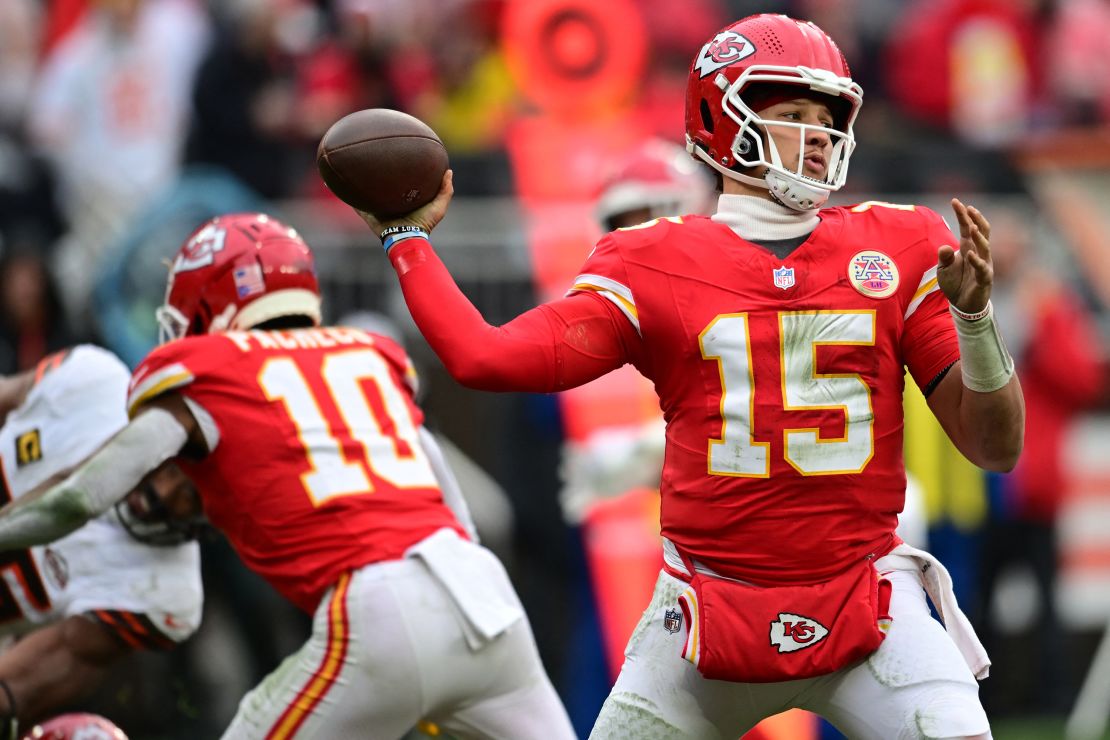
{"x": 382, "y": 161}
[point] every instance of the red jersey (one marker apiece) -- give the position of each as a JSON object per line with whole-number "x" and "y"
{"x": 316, "y": 467}
{"x": 781, "y": 379}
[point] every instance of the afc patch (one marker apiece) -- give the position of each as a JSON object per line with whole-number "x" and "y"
{"x": 672, "y": 620}
{"x": 793, "y": 632}
{"x": 873, "y": 274}
{"x": 28, "y": 448}
{"x": 784, "y": 277}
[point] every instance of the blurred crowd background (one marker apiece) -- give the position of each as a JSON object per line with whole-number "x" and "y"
{"x": 124, "y": 123}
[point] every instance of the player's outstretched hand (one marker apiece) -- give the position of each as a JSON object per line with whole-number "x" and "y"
{"x": 966, "y": 275}
{"x": 426, "y": 217}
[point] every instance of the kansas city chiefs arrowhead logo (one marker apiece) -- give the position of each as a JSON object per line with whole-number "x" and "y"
{"x": 727, "y": 47}
{"x": 793, "y": 632}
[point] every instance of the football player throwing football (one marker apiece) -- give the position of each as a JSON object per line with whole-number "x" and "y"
{"x": 777, "y": 333}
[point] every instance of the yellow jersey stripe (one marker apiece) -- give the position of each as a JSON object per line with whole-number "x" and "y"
{"x": 928, "y": 287}
{"x": 694, "y": 622}
{"x": 157, "y": 389}
{"x": 690, "y": 597}
{"x": 629, "y": 306}
{"x": 626, "y": 307}
{"x": 920, "y": 296}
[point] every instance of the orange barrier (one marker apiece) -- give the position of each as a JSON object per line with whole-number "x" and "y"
{"x": 621, "y": 538}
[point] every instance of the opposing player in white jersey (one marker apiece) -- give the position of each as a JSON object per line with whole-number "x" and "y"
{"x": 80, "y": 602}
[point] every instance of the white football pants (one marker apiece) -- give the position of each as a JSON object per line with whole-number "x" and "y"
{"x": 916, "y": 685}
{"x": 391, "y": 647}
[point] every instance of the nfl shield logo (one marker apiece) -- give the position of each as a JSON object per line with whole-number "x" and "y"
{"x": 784, "y": 277}
{"x": 672, "y": 620}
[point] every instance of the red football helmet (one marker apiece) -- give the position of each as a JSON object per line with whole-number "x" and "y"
{"x": 76, "y": 727}
{"x": 236, "y": 272}
{"x": 658, "y": 177}
{"x": 745, "y": 58}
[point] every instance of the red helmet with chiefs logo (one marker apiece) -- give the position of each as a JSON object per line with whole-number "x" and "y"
{"x": 756, "y": 62}
{"x": 76, "y": 727}
{"x": 236, "y": 272}
{"x": 658, "y": 178}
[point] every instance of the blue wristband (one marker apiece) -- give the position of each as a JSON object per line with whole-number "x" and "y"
{"x": 395, "y": 234}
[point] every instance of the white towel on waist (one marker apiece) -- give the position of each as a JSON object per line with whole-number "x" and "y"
{"x": 938, "y": 584}
{"x": 476, "y": 582}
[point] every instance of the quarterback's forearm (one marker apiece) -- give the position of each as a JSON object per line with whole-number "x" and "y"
{"x": 988, "y": 428}
{"x": 114, "y": 470}
{"x": 553, "y": 347}
{"x": 995, "y": 423}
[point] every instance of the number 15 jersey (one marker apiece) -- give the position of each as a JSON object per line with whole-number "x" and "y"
{"x": 315, "y": 465}
{"x": 781, "y": 379}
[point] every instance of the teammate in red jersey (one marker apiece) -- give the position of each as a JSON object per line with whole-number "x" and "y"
{"x": 310, "y": 455}
{"x": 776, "y": 333}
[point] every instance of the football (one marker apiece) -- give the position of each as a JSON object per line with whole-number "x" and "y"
{"x": 382, "y": 161}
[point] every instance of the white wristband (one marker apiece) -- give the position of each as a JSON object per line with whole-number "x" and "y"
{"x": 985, "y": 362}
{"x": 987, "y": 311}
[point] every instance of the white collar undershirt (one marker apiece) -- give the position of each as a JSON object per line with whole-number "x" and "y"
{"x": 758, "y": 219}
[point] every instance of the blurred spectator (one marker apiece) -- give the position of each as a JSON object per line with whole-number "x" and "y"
{"x": 246, "y": 99}
{"x": 473, "y": 95}
{"x": 1058, "y": 353}
{"x": 1078, "y": 63}
{"x": 968, "y": 66}
{"x": 32, "y": 324}
{"x": 673, "y": 37}
{"x": 25, "y": 189}
{"x": 362, "y": 62}
{"x": 61, "y": 17}
{"x": 20, "y": 27}
{"x": 109, "y": 113}
{"x": 354, "y": 68}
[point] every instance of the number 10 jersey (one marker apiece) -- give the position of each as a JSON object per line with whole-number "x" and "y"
{"x": 781, "y": 379}
{"x": 315, "y": 466}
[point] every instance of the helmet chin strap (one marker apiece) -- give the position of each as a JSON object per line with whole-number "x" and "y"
{"x": 786, "y": 191}
{"x": 794, "y": 193}
{"x": 790, "y": 191}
